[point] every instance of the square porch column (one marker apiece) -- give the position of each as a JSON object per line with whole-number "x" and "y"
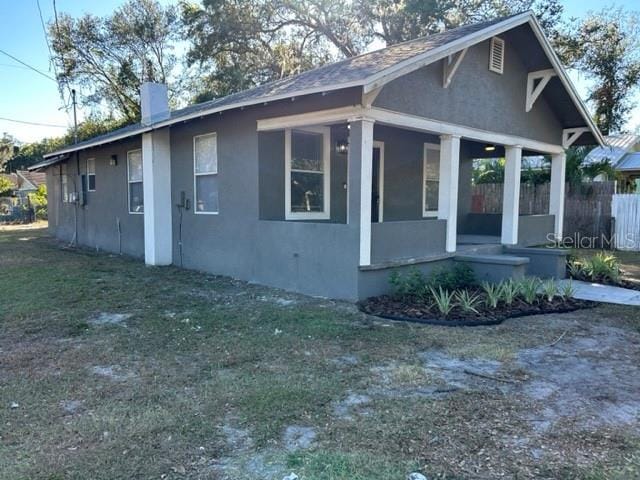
{"x": 448, "y": 191}
{"x": 511, "y": 197}
{"x": 156, "y": 184}
{"x": 557, "y": 186}
{"x": 359, "y": 178}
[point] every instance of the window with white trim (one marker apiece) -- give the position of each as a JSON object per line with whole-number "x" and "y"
{"x": 64, "y": 183}
{"x": 134, "y": 178}
{"x": 496, "y": 55}
{"x": 431, "y": 179}
{"x": 91, "y": 175}
{"x": 205, "y": 173}
{"x": 307, "y": 170}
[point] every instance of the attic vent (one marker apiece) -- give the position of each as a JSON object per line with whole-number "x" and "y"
{"x": 496, "y": 55}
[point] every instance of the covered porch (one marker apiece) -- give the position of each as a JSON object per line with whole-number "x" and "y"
{"x": 401, "y": 184}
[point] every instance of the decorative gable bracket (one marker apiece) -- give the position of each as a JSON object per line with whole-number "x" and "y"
{"x": 451, "y": 64}
{"x": 533, "y": 90}
{"x": 570, "y": 135}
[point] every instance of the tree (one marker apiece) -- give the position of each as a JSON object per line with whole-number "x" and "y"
{"x": 7, "y": 145}
{"x": 606, "y": 48}
{"x": 38, "y": 200}
{"x": 6, "y": 186}
{"x": 110, "y": 57}
{"x": 239, "y": 44}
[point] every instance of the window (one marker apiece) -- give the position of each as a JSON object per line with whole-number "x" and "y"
{"x": 496, "y": 55}
{"x": 307, "y": 174}
{"x": 431, "y": 176}
{"x": 205, "y": 169}
{"x": 91, "y": 175}
{"x": 134, "y": 177}
{"x": 64, "y": 183}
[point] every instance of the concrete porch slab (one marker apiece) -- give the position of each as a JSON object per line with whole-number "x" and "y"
{"x": 604, "y": 293}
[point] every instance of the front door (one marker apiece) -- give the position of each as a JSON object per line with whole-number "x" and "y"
{"x": 377, "y": 182}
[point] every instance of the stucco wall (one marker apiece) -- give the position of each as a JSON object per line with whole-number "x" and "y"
{"x": 97, "y": 219}
{"x": 408, "y": 239}
{"x": 477, "y": 97}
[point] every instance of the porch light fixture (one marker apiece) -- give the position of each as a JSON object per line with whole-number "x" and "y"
{"x": 113, "y": 161}
{"x": 342, "y": 147}
{"x": 489, "y": 148}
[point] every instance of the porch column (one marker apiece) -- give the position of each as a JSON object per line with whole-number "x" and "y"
{"x": 360, "y": 172}
{"x": 511, "y": 197}
{"x": 556, "y": 198}
{"x": 448, "y": 190}
{"x": 156, "y": 177}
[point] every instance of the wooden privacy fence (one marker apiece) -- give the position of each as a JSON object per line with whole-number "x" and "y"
{"x": 625, "y": 210}
{"x": 587, "y": 208}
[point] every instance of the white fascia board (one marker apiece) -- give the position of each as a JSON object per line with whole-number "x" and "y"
{"x": 419, "y": 61}
{"x": 204, "y": 113}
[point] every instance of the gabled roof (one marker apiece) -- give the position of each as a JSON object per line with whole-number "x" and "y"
{"x": 617, "y": 146}
{"x": 369, "y": 71}
{"x": 30, "y": 180}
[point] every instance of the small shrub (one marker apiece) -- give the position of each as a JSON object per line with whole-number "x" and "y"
{"x": 459, "y": 277}
{"x": 576, "y": 269}
{"x": 567, "y": 290}
{"x": 529, "y": 289}
{"x": 602, "y": 267}
{"x": 443, "y": 299}
{"x": 467, "y": 301}
{"x": 410, "y": 284}
{"x": 550, "y": 289}
{"x": 493, "y": 293}
{"x": 509, "y": 290}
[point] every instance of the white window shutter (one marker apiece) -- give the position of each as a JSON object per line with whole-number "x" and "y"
{"x": 496, "y": 55}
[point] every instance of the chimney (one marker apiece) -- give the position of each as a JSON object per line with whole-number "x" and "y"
{"x": 154, "y": 102}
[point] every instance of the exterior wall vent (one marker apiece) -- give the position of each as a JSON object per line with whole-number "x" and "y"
{"x": 496, "y": 55}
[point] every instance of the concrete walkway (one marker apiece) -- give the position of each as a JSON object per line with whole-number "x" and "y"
{"x": 604, "y": 293}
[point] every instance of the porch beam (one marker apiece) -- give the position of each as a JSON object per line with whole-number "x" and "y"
{"x": 369, "y": 97}
{"x": 360, "y": 172}
{"x": 511, "y": 196}
{"x": 533, "y": 90}
{"x": 570, "y": 135}
{"x": 320, "y": 117}
{"x": 450, "y": 67}
{"x": 414, "y": 122}
{"x": 448, "y": 187}
{"x": 557, "y": 188}
{"x": 403, "y": 120}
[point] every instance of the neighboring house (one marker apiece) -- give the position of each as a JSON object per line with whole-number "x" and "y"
{"x": 622, "y": 152}
{"x": 323, "y": 182}
{"x": 25, "y": 182}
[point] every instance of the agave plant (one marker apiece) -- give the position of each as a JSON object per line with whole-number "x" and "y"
{"x": 443, "y": 300}
{"x": 509, "y": 291}
{"x": 468, "y": 301}
{"x": 493, "y": 292}
{"x": 529, "y": 289}
{"x": 567, "y": 290}
{"x": 550, "y": 289}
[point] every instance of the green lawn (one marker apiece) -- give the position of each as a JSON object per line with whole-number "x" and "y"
{"x": 204, "y": 377}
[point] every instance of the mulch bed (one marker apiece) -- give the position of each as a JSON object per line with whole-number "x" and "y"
{"x": 416, "y": 310}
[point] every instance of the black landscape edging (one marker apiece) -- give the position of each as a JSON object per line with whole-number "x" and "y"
{"x": 478, "y": 323}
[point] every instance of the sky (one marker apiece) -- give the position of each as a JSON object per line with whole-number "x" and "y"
{"x": 31, "y": 97}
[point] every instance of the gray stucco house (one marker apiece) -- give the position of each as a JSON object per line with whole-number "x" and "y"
{"x": 322, "y": 182}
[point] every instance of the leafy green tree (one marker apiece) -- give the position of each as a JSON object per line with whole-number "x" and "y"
{"x": 6, "y": 186}
{"x": 38, "y": 201}
{"x": 110, "y": 57}
{"x": 7, "y": 146}
{"x": 606, "y": 48}
{"x": 239, "y": 44}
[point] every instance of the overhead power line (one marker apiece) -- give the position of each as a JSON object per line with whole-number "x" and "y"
{"x": 28, "y": 66}
{"x": 33, "y": 123}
